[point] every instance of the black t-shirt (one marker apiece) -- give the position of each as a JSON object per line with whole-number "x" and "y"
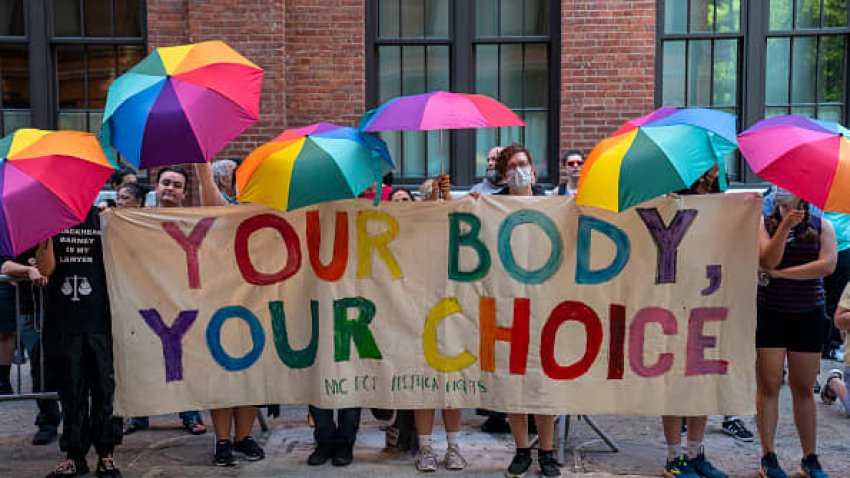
{"x": 27, "y": 290}
{"x": 77, "y": 297}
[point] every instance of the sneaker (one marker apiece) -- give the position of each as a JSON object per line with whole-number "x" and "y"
{"x": 827, "y": 395}
{"x": 224, "y": 453}
{"x": 735, "y": 428}
{"x": 519, "y": 465}
{"x": 810, "y": 467}
{"x": 679, "y": 467}
{"x": 249, "y": 449}
{"x": 427, "y": 460}
{"x": 106, "y": 468}
{"x": 702, "y": 467}
{"x": 321, "y": 454}
{"x": 548, "y": 465}
{"x": 69, "y": 467}
{"x": 770, "y": 467}
{"x": 454, "y": 460}
{"x": 44, "y": 436}
{"x": 343, "y": 455}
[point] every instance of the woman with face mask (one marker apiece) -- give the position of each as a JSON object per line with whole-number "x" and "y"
{"x": 515, "y": 165}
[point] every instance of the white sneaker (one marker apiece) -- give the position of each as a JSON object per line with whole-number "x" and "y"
{"x": 427, "y": 459}
{"x": 454, "y": 460}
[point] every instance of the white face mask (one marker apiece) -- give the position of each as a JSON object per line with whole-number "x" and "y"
{"x": 519, "y": 178}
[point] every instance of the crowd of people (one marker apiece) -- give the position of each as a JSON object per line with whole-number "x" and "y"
{"x": 803, "y": 305}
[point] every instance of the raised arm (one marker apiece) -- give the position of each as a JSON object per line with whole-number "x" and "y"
{"x": 210, "y": 195}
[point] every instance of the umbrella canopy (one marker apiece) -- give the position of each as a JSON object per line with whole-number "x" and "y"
{"x": 48, "y": 182}
{"x": 439, "y": 110}
{"x": 664, "y": 151}
{"x": 810, "y": 158}
{"x": 298, "y": 169}
{"x": 182, "y": 104}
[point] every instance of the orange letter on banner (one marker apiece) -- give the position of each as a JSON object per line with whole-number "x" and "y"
{"x": 336, "y": 268}
{"x": 517, "y": 335}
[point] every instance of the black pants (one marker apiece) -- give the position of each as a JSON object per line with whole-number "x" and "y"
{"x": 342, "y": 433}
{"x": 49, "y": 415}
{"x": 834, "y": 285}
{"x": 86, "y": 391}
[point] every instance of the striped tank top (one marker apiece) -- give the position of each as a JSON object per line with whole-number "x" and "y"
{"x": 787, "y": 295}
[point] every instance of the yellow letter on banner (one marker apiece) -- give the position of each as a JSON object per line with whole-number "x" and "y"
{"x": 365, "y": 244}
{"x": 435, "y": 359}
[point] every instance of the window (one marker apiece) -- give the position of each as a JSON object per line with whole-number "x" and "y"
{"x": 14, "y": 68}
{"x": 769, "y": 58}
{"x": 501, "y": 48}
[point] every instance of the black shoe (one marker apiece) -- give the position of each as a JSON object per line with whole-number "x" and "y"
{"x": 520, "y": 464}
{"x": 770, "y": 467}
{"x": 735, "y": 428}
{"x": 321, "y": 454}
{"x": 106, "y": 468}
{"x": 224, "y": 453}
{"x": 548, "y": 465}
{"x": 68, "y": 468}
{"x": 343, "y": 455}
{"x": 44, "y": 436}
{"x": 6, "y": 388}
{"x": 495, "y": 425}
{"x": 249, "y": 449}
{"x": 810, "y": 468}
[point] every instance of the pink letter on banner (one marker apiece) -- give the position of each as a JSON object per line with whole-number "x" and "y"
{"x": 695, "y": 362}
{"x": 637, "y": 339}
{"x": 190, "y": 246}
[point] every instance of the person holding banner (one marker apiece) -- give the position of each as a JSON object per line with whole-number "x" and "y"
{"x": 797, "y": 250}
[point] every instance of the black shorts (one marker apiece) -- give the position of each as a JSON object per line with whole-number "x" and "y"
{"x": 797, "y": 331}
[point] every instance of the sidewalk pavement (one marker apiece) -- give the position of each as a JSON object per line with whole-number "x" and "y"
{"x": 167, "y": 451}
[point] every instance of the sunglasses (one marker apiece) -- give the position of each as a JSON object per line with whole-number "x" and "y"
{"x": 574, "y": 163}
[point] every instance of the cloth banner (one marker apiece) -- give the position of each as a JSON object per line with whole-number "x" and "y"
{"x": 505, "y": 303}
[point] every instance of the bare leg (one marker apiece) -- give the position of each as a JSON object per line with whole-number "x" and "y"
{"x": 769, "y": 365}
{"x": 245, "y": 417}
{"x": 696, "y": 428}
{"x": 222, "y": 419}
{"x": 451, "y": 419}
{"x": 519, "y": 428}
{"x": 672, "y": 430}
{"x": 545, "y": 431}
{"x": 424, "y": 421}
{"x": 803, "y": 369}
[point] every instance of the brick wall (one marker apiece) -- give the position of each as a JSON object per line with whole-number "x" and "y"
{"x": 607, "y": 67}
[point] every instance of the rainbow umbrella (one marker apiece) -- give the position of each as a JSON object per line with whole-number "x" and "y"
{"x": 810, "y": 158}
{"x": 48, "y": 182}
{"x": 664, "y": 151}
{"x": 299, "y": 168}
{"x": 182, "y": 104}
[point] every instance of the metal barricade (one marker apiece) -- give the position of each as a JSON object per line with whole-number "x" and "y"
{"x": 38, "y": 322}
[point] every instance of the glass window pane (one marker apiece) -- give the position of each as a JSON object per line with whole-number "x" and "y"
{"x": 675, "y": 16}
{"x": 487, "y": 70}
{"x": 673, "y": 74}
{"x": 808, "y": 13}
{"x": 485, "y": 140}
{"x": 510, "y": 15}
{"x": 536, "y": 17}
{"x": 438, "y": 153}
{"x": 98, "y": 18}
{"x": 412, "y": 23}
{"x": 128, "y": 56}
{"x": 128, "y": 18}
{"x": 72, "y": 120}
{"x": 413, "y": 70}
{"x": 438, "y": 68}
{"x": 11, "y": 17}
{"x": 437, "y": 18}
{"x": 781, "y": 14}
{"x": 771, "y": 111}
{"x": 66, "y": 18}
{"x": 702, "y": 15}
{"x": 510, "y": 134}
{"x": 803, "y": 67}
{"x": 725, "y": 73}
{"x": 101, "y": 69}
{"x": 835, "y": 13}
{"x": 95, "y": 119}
{"x": 807, "y": 111}
{"x": 728, "y": 15}
{"x": 535, "y": 142}
{"x": 510, "y": 69}
{"x": 833, "y": 55}
{"x": 699, "y": 73}
{"x": 486, "y": 18}
{"x": 71, "y": 76}
{"x": 389, "y": 72}
{"x": 388, "y": 18}
{"x": 536, "y": 80}
{"x": 413, "y": 153}
{"x": 778, "y": 69}
{"x": 14, "y": 76}
{"x": 831, "y": 113}
{"x": 15, "y": 120}
{"x": 393, "y": 140}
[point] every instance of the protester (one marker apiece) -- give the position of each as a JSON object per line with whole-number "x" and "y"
{"x": 119, "y": 179}
{"x": 78, "y": 321}
{"x": 493, "y": 182}
{"x": 131, "y": 195}
{"x": 401, "y": 195}
{"x": 171, "y": 185}
{"x": 797, "y": 250}
{"x": 570, "y": 171}
{"x": 835, "y": 283}
{"x": 836, "y": 387}
{"x": 225, "y": 179}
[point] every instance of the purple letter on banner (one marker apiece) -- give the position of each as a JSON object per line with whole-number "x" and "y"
{"x": 172, "y": 338}
{"x": 667, "y": 239}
